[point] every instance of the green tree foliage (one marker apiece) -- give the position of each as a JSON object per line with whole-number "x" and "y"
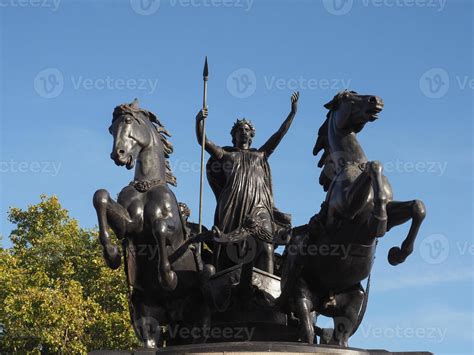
{"x": 56, "y": 293}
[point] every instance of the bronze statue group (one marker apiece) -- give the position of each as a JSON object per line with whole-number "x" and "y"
{"x": 182, "y": 276}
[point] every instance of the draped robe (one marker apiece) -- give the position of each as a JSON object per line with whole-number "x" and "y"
{"x": 241, "y": 182}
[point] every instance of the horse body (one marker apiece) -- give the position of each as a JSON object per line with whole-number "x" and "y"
{"x": 147, "y": 218}
{"x": 144, "y": 208}
{"x": 358, "y": 209}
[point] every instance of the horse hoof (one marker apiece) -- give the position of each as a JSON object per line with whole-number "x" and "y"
{"x": 111, "y": 256}
{"x": 208, "y": 271}
{"x": 171, "y": 280}
{"x": 168, "y": 280}
{"x": 396, "y": 256}
{"x": 150, "y": 344}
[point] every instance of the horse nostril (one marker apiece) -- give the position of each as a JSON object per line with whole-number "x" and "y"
{"x": 121, "y": 152}
{"x": 372, "y": 100}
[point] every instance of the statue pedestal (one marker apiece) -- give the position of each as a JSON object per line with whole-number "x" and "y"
{"x": 266, "y": 348}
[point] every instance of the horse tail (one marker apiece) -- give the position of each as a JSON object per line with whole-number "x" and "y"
{"x": 363, "y": 308}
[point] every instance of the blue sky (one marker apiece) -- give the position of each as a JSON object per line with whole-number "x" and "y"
{"x": 66, "y": 64}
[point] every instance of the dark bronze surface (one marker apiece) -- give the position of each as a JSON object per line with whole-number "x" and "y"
{"x": 241, "y": 180}
{"x": 342, "y": 237}
{"x": 177, "y": 297}
{"x": 147, "y": 219}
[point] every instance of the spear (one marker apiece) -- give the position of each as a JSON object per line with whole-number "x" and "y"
{"x": 205, "y": 75}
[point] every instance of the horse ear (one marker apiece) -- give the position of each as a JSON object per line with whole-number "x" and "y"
{"x": 135, "y": 104}
{"x": 331, "y": 104}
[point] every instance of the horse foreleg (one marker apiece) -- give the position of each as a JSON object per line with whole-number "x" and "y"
{"x": 399, "y": 213}
{"x": 146, "y": 316}
{"x": 162, "y": 231}
{"x": 378, "y": 217}
{"x": 348, "y": 308}
{"x": 356, "y": 195}
{"x": 304, "y": 311}
{"x": 110, "y": 212}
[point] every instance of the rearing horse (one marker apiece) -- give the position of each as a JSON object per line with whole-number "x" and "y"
{"x": 357, "y": 186}
{"x": 327, "y": 259}
{"x": 146, "y": 217}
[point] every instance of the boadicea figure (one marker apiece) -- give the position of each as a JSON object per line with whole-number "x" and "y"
{"x": 164, "y": 276}
{"x": 241, "y": 181}
{"x": 358, "y": 210}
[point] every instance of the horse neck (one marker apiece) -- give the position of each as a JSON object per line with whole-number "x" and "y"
{"x": 151, "y": 161}
{"x": 344, "y": 145}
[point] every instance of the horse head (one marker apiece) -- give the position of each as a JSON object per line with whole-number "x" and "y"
{"x": 352, "y": 111}
{"x": 135, "y": 131}
{"x": 131, "y": 131}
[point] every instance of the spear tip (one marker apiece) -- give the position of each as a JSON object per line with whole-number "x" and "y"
{"x": 205, "y": 72}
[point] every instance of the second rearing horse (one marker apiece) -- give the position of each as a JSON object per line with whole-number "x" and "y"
{"x": 357, "y": 187}
{"x": 327, "y": 259}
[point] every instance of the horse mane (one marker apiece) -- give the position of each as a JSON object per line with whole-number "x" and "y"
{"x": 322, "y": 144}
{"x": 163, "y": 133}
{"x": 325, "y": 162}
{"x": 167, "y": 146}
